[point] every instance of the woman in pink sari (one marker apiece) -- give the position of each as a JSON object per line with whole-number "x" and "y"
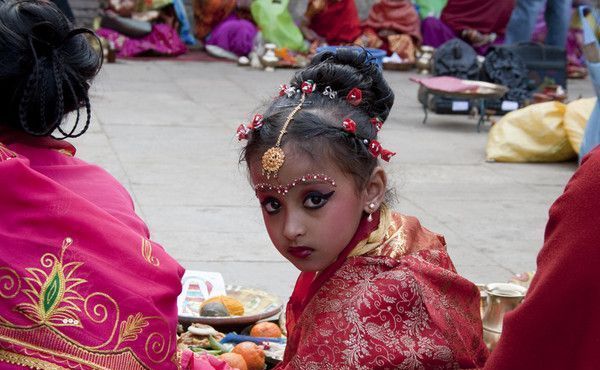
{"x": 81, "y": 284}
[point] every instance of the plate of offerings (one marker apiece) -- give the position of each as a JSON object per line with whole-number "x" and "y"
{"x": 238, "y": 306}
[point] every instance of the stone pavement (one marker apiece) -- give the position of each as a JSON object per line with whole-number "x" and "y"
{"x": 165, "y": 129}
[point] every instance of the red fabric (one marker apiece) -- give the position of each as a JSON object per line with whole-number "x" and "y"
{"x": 485, "y": 16}
{"x": 557, "y": 326}
{"x": 400, "y": 16}
{"x": 401, "y": 305}
{"x": 338, "y": 23}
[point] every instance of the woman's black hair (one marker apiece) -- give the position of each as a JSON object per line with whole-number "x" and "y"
{"x": 316, "y": 129}
{"x": 45, "y": 68}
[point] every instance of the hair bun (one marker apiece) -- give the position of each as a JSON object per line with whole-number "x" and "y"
{"x": 348, "y": 68}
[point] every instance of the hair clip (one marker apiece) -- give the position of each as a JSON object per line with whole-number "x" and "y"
{"x": 330, "y": 92}
{"x": 354, "y": 97}
{"x": 377, "y": 123}
{"x": 349, "y": 126}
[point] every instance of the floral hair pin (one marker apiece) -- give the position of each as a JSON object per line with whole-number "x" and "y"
{"x": 377, "y": 123}
{"x": 354, "y": 97}
{"x": 243, "y": 131}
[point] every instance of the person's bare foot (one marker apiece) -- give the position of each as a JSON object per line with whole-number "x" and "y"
{"x": 476, "y": 38}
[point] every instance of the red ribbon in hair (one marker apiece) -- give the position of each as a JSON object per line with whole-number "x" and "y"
{"x": 386, "y": 155}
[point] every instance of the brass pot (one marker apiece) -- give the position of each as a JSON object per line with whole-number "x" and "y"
{"x": 269, "y": 59}
{"x": 501, "y": 298}
{"x": 424, "y": 60}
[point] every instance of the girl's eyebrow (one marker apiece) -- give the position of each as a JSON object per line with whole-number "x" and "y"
{"x": 309, "y": 178}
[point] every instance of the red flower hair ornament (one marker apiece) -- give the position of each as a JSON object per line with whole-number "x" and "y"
{"x": 377, "y": 123}
{"x": 308, "y": 86}
{"x": 354, "y": 96}
{"x": 242, "y": 132}
{"x": 257, "y": 122}
{"x": 349, "y": 126}
{"x": 283, "y": 89}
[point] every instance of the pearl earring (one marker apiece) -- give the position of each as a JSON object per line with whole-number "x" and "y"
{"x": 372, "y": 208}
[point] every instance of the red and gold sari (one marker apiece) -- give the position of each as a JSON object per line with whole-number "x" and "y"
{"x": 81, "y": 284}
{"x": 392, "y": 300}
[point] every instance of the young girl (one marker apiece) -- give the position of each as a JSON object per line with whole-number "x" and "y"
{"x": 377, "y": 290}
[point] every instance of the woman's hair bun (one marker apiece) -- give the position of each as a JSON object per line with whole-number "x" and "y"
{"x": 45, "y": 67}
{"x": 347, "y": 68}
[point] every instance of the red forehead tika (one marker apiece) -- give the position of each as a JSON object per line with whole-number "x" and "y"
{"x": 284, "y": 189}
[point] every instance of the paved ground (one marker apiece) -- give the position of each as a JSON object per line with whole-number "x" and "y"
{"x": 166, "y": 130}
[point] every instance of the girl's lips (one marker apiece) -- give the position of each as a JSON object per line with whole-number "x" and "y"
{"x": 300, "y": 252}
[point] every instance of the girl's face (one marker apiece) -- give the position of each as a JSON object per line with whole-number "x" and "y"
{"x": 309, "y": 222}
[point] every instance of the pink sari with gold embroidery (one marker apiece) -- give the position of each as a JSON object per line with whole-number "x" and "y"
{"x": 81, "y": 285}
{"x": 392, "y": 300}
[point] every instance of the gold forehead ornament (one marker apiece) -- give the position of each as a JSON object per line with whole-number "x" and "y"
{"x": 273, "y": 158}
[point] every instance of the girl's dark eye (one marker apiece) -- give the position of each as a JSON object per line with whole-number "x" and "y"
{"x": 271, "y": 205}
{"x": 316, "y": 200}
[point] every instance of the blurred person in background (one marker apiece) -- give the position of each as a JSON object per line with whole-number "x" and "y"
{"x": 522, "y": 21}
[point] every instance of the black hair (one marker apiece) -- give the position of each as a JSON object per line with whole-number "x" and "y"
{"x": 316, "y": 128}
{"x": 45, "y": 68}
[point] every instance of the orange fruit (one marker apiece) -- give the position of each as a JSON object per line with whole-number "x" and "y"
{"x": 252, "y": 354}
{"x": 234, "y": 360}
{"x": 266, "y": 330}
{"x": 233, "y": 306}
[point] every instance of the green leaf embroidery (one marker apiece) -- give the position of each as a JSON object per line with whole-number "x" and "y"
{"x": 51, "y": 292}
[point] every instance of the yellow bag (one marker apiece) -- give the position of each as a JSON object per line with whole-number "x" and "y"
{"x": 576, "y": 116}
{"x": 532, "y": 134}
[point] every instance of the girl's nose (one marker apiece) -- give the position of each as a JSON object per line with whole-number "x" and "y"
{"x": 294, "y": 227}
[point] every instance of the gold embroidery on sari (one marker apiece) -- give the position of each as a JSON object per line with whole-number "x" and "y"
{"x": 66, "y": 152}
{"x": 54, "y": 302}
{"x": 34, "y": 363}
{"x": 147, "y": 253}
{"x": 389, "y": 238}
{"x": 10, "y": 283}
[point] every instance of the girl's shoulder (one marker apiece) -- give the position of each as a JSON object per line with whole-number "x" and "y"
{"x": 405, "y": 236}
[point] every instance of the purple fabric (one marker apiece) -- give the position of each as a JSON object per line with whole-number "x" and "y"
{"x": 435, "y": 33}
{"x": 163, "y": 40}
{"x": 234, "y": 35}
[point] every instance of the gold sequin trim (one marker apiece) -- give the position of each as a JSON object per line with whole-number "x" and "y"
{"x": 31, "y": 362}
